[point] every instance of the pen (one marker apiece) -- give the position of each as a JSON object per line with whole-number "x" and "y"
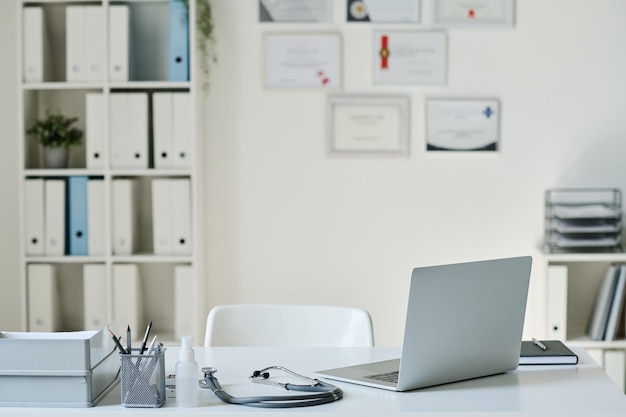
{"x": 152, "y": 345}
{"x": 539, "y": 344}
{"x": 145, "y": 338}
{"x": 117, "y": 342}
{"x": 129, "y": 347}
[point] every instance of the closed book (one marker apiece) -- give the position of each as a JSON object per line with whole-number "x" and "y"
{"x": 556, "y": 353}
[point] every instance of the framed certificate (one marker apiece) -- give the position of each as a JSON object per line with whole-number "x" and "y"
{"x": 462, "y": 125}
{"x": 302, "y": 61}
{"x": 479, "y": 13}
{"x": 294, "y": 10}
{"x": 384, "y": 11}
{"x": 409, "y": 58}
{"x": 368, "y": 125}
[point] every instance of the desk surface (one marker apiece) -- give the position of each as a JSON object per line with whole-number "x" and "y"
{"x": 532, "y": 390}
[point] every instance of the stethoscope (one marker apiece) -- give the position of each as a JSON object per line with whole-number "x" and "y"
{"x": 321, "y": 392}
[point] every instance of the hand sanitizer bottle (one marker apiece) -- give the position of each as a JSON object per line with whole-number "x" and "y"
{"x": 186, "y": 376}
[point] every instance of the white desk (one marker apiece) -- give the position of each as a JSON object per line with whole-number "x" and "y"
{"x": 531, "y": 390}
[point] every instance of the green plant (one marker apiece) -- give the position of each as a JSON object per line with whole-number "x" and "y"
{"x": 205, "y": 28}
{"x": 55, "y": 131}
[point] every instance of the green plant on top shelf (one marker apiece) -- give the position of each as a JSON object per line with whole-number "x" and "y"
{"x": 56, "y": 131}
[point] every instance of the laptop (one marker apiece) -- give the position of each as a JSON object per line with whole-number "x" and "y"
{"x": 463, "y": 321}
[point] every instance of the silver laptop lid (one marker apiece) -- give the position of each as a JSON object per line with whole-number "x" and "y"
{"x": 476, "y": 312}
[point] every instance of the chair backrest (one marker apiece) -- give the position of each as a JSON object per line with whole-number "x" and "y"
{"x": 288, "y": 325}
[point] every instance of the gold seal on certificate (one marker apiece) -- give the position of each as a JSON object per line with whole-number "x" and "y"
{"x": 462, "y": 125}
{"x": 409, "y": 58}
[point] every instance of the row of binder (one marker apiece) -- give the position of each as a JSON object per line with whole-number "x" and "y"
{"x": 129, "y": 119}
{"x": 90, "y": 37}
{"x": 64, "y": 217}
{"x": 44, "y": 297}
{"x": 67, "y": 217}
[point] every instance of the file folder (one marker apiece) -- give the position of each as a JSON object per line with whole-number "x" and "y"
{"x": 94, "y": 296}
{"x": 95, "y": 130}
{"x": 181, "y": 216}
{"x": 34, "y": 63}
{"x": 557, "y": 302}
{"x": 123, "y": 215}
{"x": 178, "y": 41}
{"x": 182, "y": 129}
{"x": 162, "y": 217}
{"x": 94, "y": 41}
{"x": 55, "y": 217}
{"x": 137, "y": 142}
{"x": 119, "y": 42}
{"x": 43, "y": 298}
{"x": 34, "y": 216}
{"x": 75, "y": 49}
{"x": 127, "y": 301}
{"x": 183, "y": 308}
{"x": 96, "y": 215}
{"x": 129, "y": 130}
{"x": 77, "y": 216}
{"x": 162, "y": 129}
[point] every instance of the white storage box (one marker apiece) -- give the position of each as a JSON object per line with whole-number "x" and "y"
{"x": 60, "y": 369}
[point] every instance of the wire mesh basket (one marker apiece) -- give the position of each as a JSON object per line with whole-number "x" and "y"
{"x": 143, "y": 379}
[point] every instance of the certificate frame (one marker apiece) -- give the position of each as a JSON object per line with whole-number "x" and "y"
{"x": 473, "y": 13}
{"x": 302, "y": 60}
{"x": 368, "y": 125}
{"x": 379, "y": 11}
{"x": 470, "y": 125}
{"x": 295, "y": 11}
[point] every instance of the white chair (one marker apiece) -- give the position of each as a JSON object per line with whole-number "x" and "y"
{"x": 288, "y": 325}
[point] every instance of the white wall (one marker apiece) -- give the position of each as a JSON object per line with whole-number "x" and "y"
{"x": 284, "y": 223}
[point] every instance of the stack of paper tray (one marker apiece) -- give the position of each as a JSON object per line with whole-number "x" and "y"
{"x": 61, "y": 369}
{"x": 583, "y": 220}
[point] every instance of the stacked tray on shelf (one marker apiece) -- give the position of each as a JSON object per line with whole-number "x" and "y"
{"x": 583, "y": 220}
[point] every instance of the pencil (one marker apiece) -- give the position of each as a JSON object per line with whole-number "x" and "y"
{"x": 117, "y": 342}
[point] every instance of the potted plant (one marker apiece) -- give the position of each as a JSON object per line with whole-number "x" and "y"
{"x": 57, "y": 135}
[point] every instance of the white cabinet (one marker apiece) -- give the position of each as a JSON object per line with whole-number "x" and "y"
{"x": 573, "y": 281}
{"x": 107, "y": 63}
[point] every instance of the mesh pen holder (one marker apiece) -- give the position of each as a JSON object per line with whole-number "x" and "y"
{"x": 143, "y": 379}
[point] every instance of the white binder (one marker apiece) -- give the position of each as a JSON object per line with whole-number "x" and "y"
{"x": 34, "y": 216}
{"x": 94, "y": 296}
{"x": 128, "y": 130}
{"x": 96, "y": 217}
{"x": 137, "y": 123}
{"x": 119, "y": 42}
{"x": 43, "y": 298}
{"x": 162, "y": 128}
{"x": 181, "y": 216}
{"x": 75, "y": 30}
{"x": 162, "y": 215}
{"x": 557, "y": 302}
{"x": 118, "y": 129}
{"x": 182, "y": 129}
{"x": 127, "y": 301}
{"x": 94, "y": 43}
{"x": 55, "y": 217}
{"x": 35, "y": 65}
{"x": 183, "y": 308}
{"x": 95, "y": 130}
{"x": 123, "y": 216}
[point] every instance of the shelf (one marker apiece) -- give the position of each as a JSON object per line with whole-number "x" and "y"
{"x": 586, "y": 257}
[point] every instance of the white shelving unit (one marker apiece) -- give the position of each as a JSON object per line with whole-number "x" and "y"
{"x": 572, "y": 284}
{"x": 148, "y": 62}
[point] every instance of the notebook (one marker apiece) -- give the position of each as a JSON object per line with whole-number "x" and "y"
{"x": 463, "y": 321}
{"x": 555, "y": 353}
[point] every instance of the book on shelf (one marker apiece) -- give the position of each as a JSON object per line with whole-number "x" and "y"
{"x": 607, "y": 318}
{"x": 555, "y": 353}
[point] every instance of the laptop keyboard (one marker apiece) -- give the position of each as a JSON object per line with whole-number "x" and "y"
{"x": 387, "y": 376}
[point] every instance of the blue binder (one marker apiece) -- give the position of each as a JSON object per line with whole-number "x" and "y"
{"x": 178, "y": 53}
{"x": 77, "y": 215}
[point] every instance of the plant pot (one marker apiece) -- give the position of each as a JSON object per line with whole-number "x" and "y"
{"x": 55, "y": 157}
